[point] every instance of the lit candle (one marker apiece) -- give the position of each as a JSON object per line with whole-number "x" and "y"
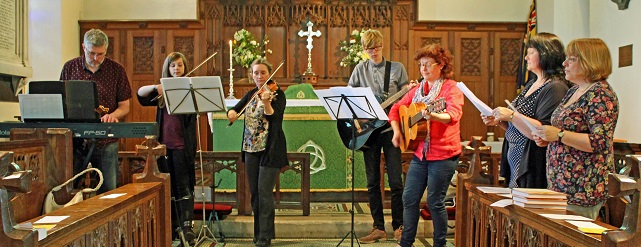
{"x": 230, "y": 57}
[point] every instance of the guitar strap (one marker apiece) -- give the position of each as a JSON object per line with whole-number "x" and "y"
{"x": 388, "y": 69}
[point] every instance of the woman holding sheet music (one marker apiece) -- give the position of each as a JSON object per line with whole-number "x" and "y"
{"x": 522, "y": 161}
{"x": 580, "y": 137}
{"x": 178, "y": 133}
{"x": 436, "y": 156}
{"x": 264, "y": 149}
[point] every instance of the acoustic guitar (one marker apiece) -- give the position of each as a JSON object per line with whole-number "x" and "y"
{"x": 413, "y": 125}
{"x": 363, "y": 128}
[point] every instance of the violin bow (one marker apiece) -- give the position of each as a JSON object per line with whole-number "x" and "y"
{"x": 201, "y": 64}
{"x": 258, "y": 91}
{"x": 192, "y": 71}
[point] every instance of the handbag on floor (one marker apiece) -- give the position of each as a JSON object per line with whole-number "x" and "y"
{"x": 50, "y": 204}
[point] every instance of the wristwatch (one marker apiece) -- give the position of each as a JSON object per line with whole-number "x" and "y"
{"x": 560, "y": 135}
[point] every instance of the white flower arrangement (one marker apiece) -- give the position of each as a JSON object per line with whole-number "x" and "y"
{"x": 354, "y": 49}
{"x": 247, "y": 49}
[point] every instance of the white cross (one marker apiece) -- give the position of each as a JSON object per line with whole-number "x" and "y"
{"x": 309, "y": 33}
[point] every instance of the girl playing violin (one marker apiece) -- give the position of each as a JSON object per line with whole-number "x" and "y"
{"x": 264, "y": 150}
{"x": 178, "y": 133}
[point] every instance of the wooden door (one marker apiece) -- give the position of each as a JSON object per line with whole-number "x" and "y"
{"x": 471, "y": 66}
{"x": 507, "y": 56}
{"x": 144, "y": 62}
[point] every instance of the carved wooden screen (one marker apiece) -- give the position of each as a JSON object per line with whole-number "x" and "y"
{"x": 485, "y": 53}
{"x": 281, "y": 21}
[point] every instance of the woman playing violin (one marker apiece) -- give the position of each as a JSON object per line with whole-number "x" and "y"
{"x": 436, "y": 157}
{"x": 264, "y": 150}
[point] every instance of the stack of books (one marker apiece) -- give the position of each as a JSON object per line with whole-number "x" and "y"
{"x": 539, "y": 198}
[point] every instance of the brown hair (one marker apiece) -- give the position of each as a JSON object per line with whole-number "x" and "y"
{"x": 170, "y": 58}
{"x": 440, "y": 56}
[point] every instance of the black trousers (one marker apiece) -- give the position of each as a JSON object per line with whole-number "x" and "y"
{"x": 262, "y": 181}
{"x": 183, "y": 180}
{"x": 372, "y": 157}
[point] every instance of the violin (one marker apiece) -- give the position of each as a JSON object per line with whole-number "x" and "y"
{"x": 270, "y": 85}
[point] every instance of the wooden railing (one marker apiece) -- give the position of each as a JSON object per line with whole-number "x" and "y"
{"x": 231, "y": 161}
{"x": 479, "y": 224}
{"x": 140, "y": 217}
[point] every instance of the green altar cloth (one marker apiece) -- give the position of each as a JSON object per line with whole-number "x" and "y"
{"x": 308, "y": 128}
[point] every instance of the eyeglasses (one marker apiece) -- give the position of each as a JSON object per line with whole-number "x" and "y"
{"x": 571, "y": 59}
{"x": 373, "y": 49}
{"x": 422, "y": 65}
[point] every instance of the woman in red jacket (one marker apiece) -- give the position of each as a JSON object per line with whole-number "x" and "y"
{"x": 436, "y": 157}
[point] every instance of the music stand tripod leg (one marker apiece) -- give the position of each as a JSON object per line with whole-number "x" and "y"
{"x": 352, "y": 233}
{"x": 204, "y": 235}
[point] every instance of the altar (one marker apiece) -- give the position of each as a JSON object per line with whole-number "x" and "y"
{"x": 308, "y": 128}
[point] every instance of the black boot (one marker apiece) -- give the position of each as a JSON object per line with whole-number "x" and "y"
{"x": 187, "y": 216}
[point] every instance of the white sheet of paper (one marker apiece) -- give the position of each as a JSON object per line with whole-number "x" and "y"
{"x": 585, "y": 224}
{"x": 51, "y": 219}
{"x": 480, "y": 105}
{"x": 16, "y": 175}
{"x": 41, "y": 106}
{"x": 502, "y": 203}
{"x": 361, "y": 100}
{"x": 113, "y": 196}
{"x": 627, "y": 180}
{"x": 566, "y": 217}
{"x": 494, "y": 190}
{"x": 207, "y": 93}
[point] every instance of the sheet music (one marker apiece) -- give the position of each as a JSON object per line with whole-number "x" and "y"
{"x": 362, "y": 100}
{"x": 480, "y": 105}
{"x": 41, "y": 106}
{"x": 180, "y": 93}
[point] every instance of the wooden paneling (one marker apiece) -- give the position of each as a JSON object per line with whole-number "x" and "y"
{"x": 507, "y": 55}
{"x": 471, "y": 64}
{"x": 485, "y": 53}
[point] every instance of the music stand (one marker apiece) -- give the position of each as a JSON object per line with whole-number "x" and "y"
{"x": 195, "y": 95}
{"x": 351, "y": 104}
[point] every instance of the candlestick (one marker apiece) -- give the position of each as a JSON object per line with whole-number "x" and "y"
{"x": 231, "y": 73}
{"x": 230, "y": 55}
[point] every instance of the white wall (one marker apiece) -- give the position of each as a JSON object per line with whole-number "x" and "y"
{"x": 620, "y": 28}
{"x": 474, "y": 10}
{"x": 568, "y": 19}
{"x": 139, "y": 10}
{"x": 53, "y": 36}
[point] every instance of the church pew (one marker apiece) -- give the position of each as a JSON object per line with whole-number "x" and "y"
{"x": 47, "y": 153}
{"x": 37, "y": 156}
{"x": 484, "y": 225}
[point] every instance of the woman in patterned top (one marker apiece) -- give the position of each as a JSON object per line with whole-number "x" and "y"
{"x": 522, "y": 161}
{"x": 264, "y": 149}
{"x": 580, "y": 138}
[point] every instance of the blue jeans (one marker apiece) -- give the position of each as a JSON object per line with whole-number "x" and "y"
{"x": 104, "y": 158}
{"x": 436, "y": 176}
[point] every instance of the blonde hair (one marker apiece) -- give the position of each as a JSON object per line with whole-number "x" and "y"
{"x": 371, "y": 38}
{"x": 593, "y": 56}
